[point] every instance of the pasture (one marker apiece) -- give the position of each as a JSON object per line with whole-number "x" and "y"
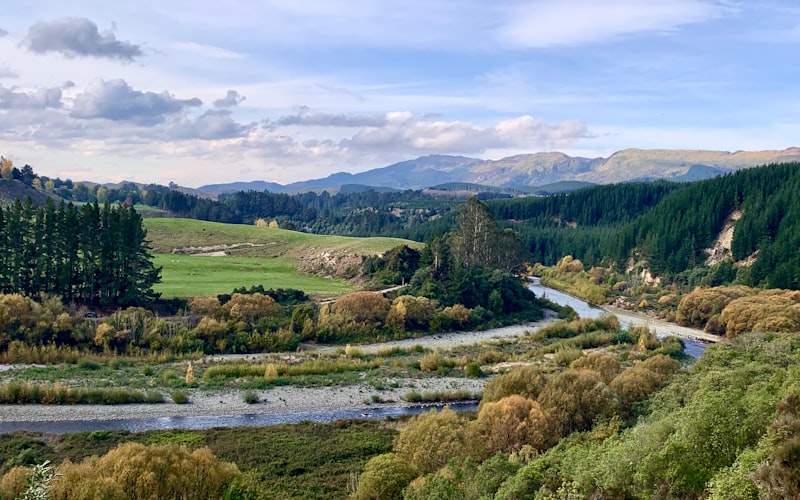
{"x": 190, "y": 275}
{"x": 207, "y": 258}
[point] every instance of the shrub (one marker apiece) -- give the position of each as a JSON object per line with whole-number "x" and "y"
{"x": 384, "y": 478}
{"x": 510, "y": 423}
{"x": 168, "y": 471}
{"x": 180, "y": 397}
{"x": 428, "y": 441}
{"x": 566, "y": 355}
{"x": 473, "y": 370}
{"x": 251, "y": 397}
{"x": 606, "y": 365}
{"x": 527, "y": 381}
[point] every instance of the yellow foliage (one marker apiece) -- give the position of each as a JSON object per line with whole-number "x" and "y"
{"x": 697, "y": 307}
{"x": 103, "y": 334}
{"x": 135, "y": 471}
{"x": 6, "y": 168}
{"x": 189, "y": 374}
{"x": 204, "y": 306}
{"x": 261, "y": 223}
{"x": 273, "y": 223}
{"x": 458, "y": 314}
{"x": 606, "y": 365}
{"x": 428, "y": 441}
{"x": 526, "y": 381}
{"x": 14, "y": 482}
{"x": 509, "y": 424}
{"x": 569, "y": 265}
{"x": 769, "y": 311}
{"x": 412, "y": 313}
{"x": 251, "y": 306}
{"x": 360, "y": 307}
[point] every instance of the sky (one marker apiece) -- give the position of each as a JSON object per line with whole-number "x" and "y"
{"x": 199, "y": 92}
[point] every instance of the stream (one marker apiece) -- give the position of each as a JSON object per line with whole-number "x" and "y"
{"x": 693, "y": 348}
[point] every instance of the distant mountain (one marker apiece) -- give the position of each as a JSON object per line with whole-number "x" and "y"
{"x": 537, "y": 169}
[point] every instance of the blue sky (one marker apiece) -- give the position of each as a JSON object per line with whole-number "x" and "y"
{"x": 198, "y": 92}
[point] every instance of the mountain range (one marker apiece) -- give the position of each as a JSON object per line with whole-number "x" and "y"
{"x": 534, "y": 169}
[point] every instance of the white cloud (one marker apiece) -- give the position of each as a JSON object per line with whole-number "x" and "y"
{"x": 209, "y": 51}
{"x": 79, "y": 37}
{"x": 232, "y": 98}
{"x": 578, "y": 22}
{"x": 35, "y": 99}
{"x": 116, "y": 100}
{"x": 404, "y": 132}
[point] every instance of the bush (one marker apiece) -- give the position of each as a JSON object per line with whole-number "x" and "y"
{"x": 384, "y": 478}
{"x": 180, "y": 397}
{"x": 251, "y": 397}
{"x": 169, "y": 471}
{"x": 428, "y": 441}
{"x": 473, "y": 370}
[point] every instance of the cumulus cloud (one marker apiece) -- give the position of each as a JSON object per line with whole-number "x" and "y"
{"x": 232, "y": 98}
{"x": 79, "y": 37}
{"x": 578, "y": 22}
{"x": 37, "y": 99}
{"x": 116, "y": 100}
{"x": 308, "y": 118}
{"x": 7, "y": 73}
{"x": 211, "y": 125}
{"x": 407, "y": 133}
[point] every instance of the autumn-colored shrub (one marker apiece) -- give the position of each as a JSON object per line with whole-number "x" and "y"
{"x": 412, "y": 313}
{"x": 526, "y": 381}
{"x": 510, "y": 423}
{"x": 697, "y": 307}
{"x": 204, "y": 306}
{"x": 428, "y": 441}
{"x": 769, "y": 311}
{"x": 250, "y": 307}
{"x": 136, "y": 471}
{"x": 606, "y": 365}
{"x": 362, "y": 307}
{"x": 575, "y": 399}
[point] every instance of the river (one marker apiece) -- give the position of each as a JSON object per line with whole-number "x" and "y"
{"x": 693, "y": 348}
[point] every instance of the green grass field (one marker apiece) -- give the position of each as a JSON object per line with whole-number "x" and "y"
{"x": 167, "y": 234}
{"x": 187, "y": 276}
{"x": 253, "y": 256}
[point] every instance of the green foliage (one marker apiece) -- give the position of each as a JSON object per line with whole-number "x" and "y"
{"x": 180, "y": 397}
{"x": 384, "y": 477}
{"x": 94, "y": 255}
{"x": 251, "y": 397}
{"x": 16, "y": 392}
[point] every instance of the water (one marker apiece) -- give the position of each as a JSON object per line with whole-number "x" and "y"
{"x": 207, "y": 422}
{"x": 693, "y": 348}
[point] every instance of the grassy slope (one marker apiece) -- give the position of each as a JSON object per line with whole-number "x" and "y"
{"x": 168, "y": 234}
{"x": 265, "y": 256}
{"x": 186, "y": 275}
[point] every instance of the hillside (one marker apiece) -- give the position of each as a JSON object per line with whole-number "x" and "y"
{"x": 667, "y": 227}
{"x": 535, "y": 170}
{"x": 11, "y": 190}
{"x": 220, "y": 257}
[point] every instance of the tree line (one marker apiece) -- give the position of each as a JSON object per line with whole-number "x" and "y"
{"x": 90, "y": 255}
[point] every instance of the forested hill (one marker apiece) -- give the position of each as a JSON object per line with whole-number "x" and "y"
{"x": 667, "y": 227}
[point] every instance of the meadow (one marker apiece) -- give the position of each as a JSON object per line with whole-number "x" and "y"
{"x": 244, "y": 256}
{"x": 189, "y": 275}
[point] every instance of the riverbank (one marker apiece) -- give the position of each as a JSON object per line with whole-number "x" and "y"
{"x": 285, "y": 399}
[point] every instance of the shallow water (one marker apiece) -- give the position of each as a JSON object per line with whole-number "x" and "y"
{"x": 693, "y": 348}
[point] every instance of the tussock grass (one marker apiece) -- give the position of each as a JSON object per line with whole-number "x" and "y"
{"x": 310, "y": 367}
{"x": 16, "y": 392}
